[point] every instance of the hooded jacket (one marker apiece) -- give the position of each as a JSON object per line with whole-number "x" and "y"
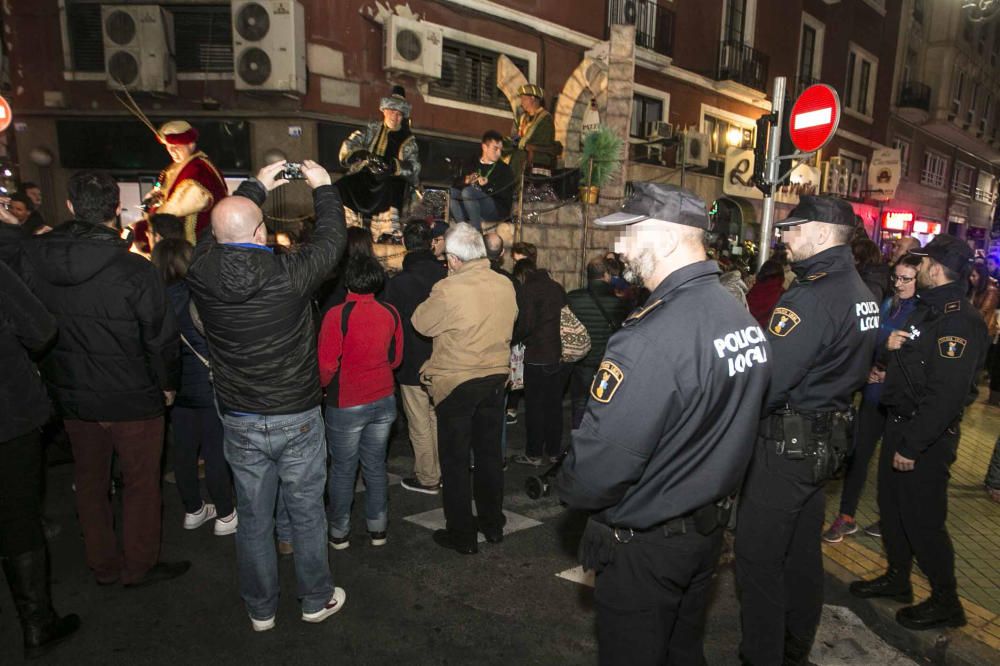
{"x": 117, "y": 349}
{"x": 256, "y": 309}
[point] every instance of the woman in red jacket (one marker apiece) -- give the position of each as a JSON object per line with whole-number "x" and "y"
{"x": 360, "y": 344}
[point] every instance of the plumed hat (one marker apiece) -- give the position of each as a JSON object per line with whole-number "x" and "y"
{"x": 177, "y": 132}
{"x": 531, "y": 89}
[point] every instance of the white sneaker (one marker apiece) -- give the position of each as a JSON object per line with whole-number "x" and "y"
{"x": 193, "y": 521}
{"x": 263, "y": 625}
{"x": 226, "y": 526}
{"x": 334, "y": 605}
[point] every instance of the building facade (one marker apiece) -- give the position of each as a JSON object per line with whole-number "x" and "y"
{"x": 267, "y": 78}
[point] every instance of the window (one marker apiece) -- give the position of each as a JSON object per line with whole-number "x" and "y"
{"x": 203, "y": 38}
{"x": 934, "y": 170}
{"x": 971, "y": 113}
{"x": 644, "y": 109}
{"x": 962, "y": 179}
{"x": 987, "y": 112}
{"x": 734, "y": 29}
{"x": 903, "y": 147}
{"x": 807, "y": 53}
{"x": 723, "y": 133}
{"x": 862, "y": 71}
{"x": 956, "y": 97}
{"x": 85, "y": 42}
{"x": 986, "y": 188}
{"x": 469, "y": 74}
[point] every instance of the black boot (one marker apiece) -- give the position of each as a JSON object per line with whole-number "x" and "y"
{"x": 893, "y": 584}
{"x": 28, "y": 578}
{"x": 941, "y": 610}
{"x": 797, "y": 650}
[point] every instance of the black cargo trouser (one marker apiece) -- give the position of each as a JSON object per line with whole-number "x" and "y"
{"x": 21, "y": 495}
{"x": 779, "y": 564}
{"x": 652, "y": 597}
{"x": 913, "y": 508}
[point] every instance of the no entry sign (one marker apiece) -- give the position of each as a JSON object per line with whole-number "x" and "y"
{"x": 814, "y": 118}
{"x": 5, "y": 114}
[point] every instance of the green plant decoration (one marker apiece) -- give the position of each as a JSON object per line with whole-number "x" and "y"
{"x": 604, "y": 147}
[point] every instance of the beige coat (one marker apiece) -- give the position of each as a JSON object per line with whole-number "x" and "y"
{"x": 470, "y": 315}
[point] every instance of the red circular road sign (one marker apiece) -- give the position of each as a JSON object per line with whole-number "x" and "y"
{"x": 6, "y": 116}
{"x": 814, "y": 118}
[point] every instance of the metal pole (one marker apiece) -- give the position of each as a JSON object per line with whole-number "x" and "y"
{"x": 683, "y": 149}
{"x": 520, "y": 209}
{"x": 586, "y": 222}
{"x": 773, "y": 164}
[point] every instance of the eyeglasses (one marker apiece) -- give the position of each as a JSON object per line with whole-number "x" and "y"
{"x": 901, "y": 278}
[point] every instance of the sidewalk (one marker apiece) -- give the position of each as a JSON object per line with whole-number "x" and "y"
{"x": 973, "y": 522}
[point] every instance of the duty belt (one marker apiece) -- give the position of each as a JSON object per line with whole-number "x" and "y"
{"x": 703, "y": 520}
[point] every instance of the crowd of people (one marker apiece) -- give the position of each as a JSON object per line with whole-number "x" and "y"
{"x": 282, "y": 366}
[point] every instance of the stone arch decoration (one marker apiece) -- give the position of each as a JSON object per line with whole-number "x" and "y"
{"x": 588, "y": 81}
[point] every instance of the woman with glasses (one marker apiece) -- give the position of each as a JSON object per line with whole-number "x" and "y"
{"x": 871, "y": 416}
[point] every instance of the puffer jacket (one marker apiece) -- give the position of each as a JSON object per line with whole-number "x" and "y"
{"x": 582, "y": 303}
{"x": 117, "y": 349}
{"x": 195, "y": 388}
{"x": 256, "y": 309}
{"x": 25, "y": 326}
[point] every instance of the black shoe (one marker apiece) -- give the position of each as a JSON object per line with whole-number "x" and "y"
{"x": 378, "y": 538}
{"x": 445, "y": 539}
{"x": 27, "y": 577}
{"x": 413, "y": 483}
{"x": 892, "y": 585}
{"x": 493, "y": 536}
{"x": 931, "y": 614}
{"x": 161, "y": 571}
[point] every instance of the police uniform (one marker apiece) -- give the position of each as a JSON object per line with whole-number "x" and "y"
{"x": 929, "y": 381}
{"x": 664, "y": 442}
{"x": 822, "y": 335}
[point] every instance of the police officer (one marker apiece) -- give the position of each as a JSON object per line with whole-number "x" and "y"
{"x": 822, "y": 335}
{"x": 666, "y": 436}
{"x": 930, "y": 379}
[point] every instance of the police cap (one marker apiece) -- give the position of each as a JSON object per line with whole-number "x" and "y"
{"x": 658, "y": 201}
{"x": 831, "y": 210}
{"x": 948, "y": 251}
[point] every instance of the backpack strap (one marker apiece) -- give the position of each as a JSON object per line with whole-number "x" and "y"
{"x": 604, "y": 313}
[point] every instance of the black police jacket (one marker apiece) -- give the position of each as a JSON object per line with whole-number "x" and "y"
{"x": 822, "y": 333}
{"x": 673, "y": 408}
{"x": 932, "y": 377}
{"x": 256, "y": 307}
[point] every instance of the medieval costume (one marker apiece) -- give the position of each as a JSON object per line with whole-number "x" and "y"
{"x": 537, "y": 129}
{"x": 383, "y": 164}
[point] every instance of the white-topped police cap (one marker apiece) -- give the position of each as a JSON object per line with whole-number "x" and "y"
{"x": 659, "y": 201}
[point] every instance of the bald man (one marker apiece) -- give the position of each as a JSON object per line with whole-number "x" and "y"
{"x": 901, "y": 246}
{"x": 256, "y": 309}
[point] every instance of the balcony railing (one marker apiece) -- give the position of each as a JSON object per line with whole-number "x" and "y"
{"x": 914, "y": 95}
{"x": 653, "y": 21}
{"x": 742, "y": 64}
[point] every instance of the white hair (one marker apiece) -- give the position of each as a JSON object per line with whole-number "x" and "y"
{"x": 464, "y": 243}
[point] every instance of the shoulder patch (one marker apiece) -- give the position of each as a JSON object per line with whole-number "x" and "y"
{"x": 606, "y": 382}
{"x": 639, "y": 314}
{"x": 951, "y": 346}
{"x": 813, "y": 277}
{"x": 954, "y": 306}
{"x": 783, "y": 321}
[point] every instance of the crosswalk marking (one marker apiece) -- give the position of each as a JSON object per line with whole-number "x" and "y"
{"x": 577, "y": 575}
{"x": 434, "y": 520}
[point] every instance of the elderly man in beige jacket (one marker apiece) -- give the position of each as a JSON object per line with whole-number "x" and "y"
{"x": 470, "y": 316}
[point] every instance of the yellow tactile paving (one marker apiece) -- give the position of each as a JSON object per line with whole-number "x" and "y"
{"x": 973, "y": 522}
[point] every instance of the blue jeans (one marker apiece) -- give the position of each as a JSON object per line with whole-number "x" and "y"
{"x": 353, "y": 434}
{"x": 265, "y": 451}
{"x": 470, "y": 204}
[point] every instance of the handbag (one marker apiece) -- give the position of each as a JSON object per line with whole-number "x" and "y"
{"x": 573, "y": 336}
{"x": 517, "y": 367}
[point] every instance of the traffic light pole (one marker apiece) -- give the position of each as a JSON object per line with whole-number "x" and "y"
{"x": 773, "y": 166}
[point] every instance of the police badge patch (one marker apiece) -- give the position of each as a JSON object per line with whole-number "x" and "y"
{"x": 606, "y": 382}
{"x": 783, "y": 321}
{"x": 951, "y": 346}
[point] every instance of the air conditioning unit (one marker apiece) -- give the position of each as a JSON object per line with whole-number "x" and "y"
{"x": 854, "y": 186}
{"x": 835, "y": 177}
{"x": 648, "y": 152}
{"x": 657, "y": 130}
{"x": 695, "y": 147}
{"x": 413, "y": 47}
{"x": 138, "y": 48}
{"x": 269, "y": 45}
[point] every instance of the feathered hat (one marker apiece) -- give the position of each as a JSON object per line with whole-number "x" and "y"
{"x": 396, "y": 101}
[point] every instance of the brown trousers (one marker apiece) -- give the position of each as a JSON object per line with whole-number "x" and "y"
{"x": 139, "y": 445}
{"x": 422, "y": 425}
